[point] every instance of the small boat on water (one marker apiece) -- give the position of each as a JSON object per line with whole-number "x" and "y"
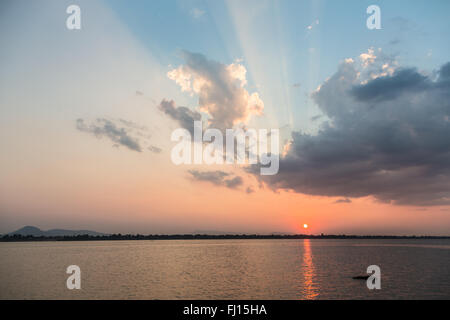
{"x": 361, "y": 277}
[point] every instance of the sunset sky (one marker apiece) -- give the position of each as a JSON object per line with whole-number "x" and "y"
{"x": 86, "y": 115}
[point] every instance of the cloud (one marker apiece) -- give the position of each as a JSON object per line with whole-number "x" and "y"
{"x": 386, "y": 136}
{"x": 183, "y": 115}
{"x": 368, "y": 58}
{"x": 215, "y": 177}
{"x": 220, "y": 90}
{"x": 234, "y": 182}
{"x": 120, "y": 135}
{"x": 315, "y": 118}
{"x": 218, "y": 178}
{"x": 444, "y": 73}
{"x": 346, "y": 200}
{"x": 197, "y": 13}
{"x": 154, "y": 149}
{"x": 389, "y": 88}
{"x": 311, "y": 26}
{"x": 404, "y": 25}
{"x": 394, "y": 42}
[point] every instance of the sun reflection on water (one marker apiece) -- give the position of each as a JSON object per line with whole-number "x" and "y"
{"x": 310, "y": 289}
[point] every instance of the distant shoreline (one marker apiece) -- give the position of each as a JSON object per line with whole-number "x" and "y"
{"x": 119, "y": 237}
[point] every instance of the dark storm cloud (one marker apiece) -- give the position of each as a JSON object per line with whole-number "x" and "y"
{"x": 184, "y": 116}
{"x": 219, "y": 178}
{"x": 387, "y": 138}
{"x": 107, "y": 128}
{"x": 444, "y": 73}
{"x": 390, "y": 87}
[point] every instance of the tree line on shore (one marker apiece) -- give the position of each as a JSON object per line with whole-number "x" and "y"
{"x": 17, "y": 237}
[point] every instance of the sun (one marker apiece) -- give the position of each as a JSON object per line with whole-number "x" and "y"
{"x": 305, "y": 226}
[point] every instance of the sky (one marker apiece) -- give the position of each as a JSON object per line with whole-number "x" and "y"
{"x": 86, "y": 116}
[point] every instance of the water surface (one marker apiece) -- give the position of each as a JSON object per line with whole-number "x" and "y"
{"x": 226, "y": 269}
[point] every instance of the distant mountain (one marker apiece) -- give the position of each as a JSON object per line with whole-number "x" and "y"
{"x": 29, "y": 231}
{"x": 36, "y": 232}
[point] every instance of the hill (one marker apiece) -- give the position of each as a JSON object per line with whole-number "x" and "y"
{"x": 36, "y": 232}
